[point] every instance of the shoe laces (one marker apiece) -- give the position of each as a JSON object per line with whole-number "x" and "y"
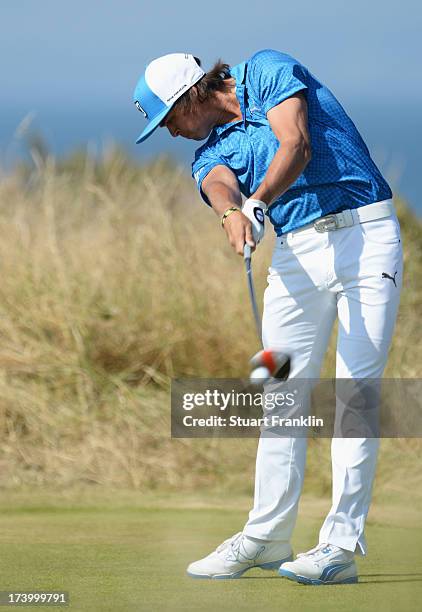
{"x": 315, "y": 551}
{"x": 235, "y": 550}
{"x": 228, "y": 542}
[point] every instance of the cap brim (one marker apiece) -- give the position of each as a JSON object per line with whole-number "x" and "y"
{"x": 153, "y": 124}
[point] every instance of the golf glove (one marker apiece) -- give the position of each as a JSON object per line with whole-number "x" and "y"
{"x": 255, "y": 211}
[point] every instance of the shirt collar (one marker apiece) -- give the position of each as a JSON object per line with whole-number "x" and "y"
{"x": 239, "y": 72}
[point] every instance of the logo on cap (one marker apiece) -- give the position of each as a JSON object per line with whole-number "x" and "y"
{"x": 139, "y": 107}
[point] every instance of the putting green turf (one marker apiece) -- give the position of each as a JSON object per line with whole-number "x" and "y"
{"x": 123, "y": 557}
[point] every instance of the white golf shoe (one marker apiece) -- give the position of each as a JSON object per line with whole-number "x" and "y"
{"x": 238, "y": 554}
{"x": 324, "y": 564}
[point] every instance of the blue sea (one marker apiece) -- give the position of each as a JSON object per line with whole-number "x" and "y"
{"x": 393, "y": 134}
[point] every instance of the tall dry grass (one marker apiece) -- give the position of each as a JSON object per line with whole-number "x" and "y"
{"x": 114, "y": 278}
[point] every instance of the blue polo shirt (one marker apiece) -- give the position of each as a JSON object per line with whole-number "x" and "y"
{"x": 341, "y": 173}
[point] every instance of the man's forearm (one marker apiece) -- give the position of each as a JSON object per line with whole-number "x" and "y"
{"x": 222, "y": 196}
{"x": 288, "y": 163}
{"x": 223, "y": 192}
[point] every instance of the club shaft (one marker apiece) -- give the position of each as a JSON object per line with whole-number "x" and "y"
{"x": 247, "y": 254}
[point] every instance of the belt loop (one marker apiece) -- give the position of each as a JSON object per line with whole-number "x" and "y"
{"x": 354, "y": 215}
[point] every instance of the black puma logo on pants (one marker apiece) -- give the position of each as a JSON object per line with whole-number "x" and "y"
{"x": 393, "y": 278}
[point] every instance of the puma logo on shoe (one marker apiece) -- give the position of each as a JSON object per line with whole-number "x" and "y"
{"x": 393, "y": 278}
{"x": 324, "y": 564}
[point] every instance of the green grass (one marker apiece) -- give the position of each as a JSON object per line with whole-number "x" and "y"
{"x": 123, "y": 552}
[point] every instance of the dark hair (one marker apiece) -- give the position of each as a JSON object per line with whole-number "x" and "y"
{"x": 214, "y": 80}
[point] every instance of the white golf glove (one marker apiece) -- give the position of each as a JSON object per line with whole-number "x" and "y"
{"x": 255, "y": 211}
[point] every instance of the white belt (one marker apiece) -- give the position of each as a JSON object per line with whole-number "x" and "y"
{"x": 350, "y": 217}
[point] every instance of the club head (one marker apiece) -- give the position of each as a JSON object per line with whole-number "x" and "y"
{"x": 284, "y": 370}
{"x": 259, "y": 376}
{"x": 277, "y": 362}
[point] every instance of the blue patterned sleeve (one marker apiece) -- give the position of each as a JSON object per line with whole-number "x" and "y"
{"x": 275, "y": 76}
{"x": 205, "y": 160}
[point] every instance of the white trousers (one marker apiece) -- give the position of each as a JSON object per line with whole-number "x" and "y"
{"x": 353, "y": 274}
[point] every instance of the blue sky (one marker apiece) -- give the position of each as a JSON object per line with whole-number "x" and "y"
{"x": 90, "y": 49}
{"x": 75, "y": 64}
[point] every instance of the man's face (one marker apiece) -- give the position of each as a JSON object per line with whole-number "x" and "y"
{"x": 195, "y": 125}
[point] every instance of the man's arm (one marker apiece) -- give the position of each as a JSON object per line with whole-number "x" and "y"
{"x": 289, "y": 122}
{"x": 222, "y": 190}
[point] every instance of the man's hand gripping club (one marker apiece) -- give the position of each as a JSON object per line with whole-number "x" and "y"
{"x": 246, "y": 225}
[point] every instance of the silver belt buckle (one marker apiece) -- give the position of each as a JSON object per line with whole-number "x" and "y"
{"x": 326, "y": 224}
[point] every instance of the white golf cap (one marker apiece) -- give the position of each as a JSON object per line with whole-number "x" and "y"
{"x": 165, "y": 80}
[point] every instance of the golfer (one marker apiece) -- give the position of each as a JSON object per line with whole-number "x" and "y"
{"x": 277, "y": 135}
